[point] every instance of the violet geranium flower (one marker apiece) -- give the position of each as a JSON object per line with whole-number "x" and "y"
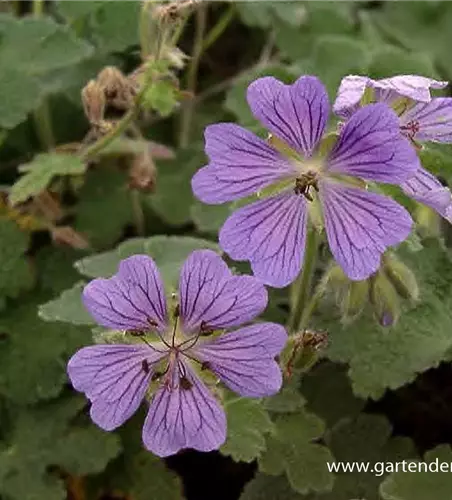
{"x": 308, "y": 178}
{"x": 171, "y": 350}
{"x": 422, "y": 118}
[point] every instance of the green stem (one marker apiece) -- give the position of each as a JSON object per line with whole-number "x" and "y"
{"x": 213, "y": 35}
{"x": 192, "y": 75}
{"x": 302, "y": 286}
{"x": 145, "y": 30}
{"x": 38, "y": 7}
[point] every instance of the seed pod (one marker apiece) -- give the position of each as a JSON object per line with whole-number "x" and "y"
{"x": 142, "y": 173}
{"x": 402, "y": 278}
{"x": 93, "y": 99}
{"x": 118, "y": 90}
{"x": 385, "y": 300}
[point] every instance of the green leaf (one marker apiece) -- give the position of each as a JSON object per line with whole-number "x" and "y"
{"x": 104, "y": 208}
{"x": 389, "y": 358}
{"x": 42, "y": 437}
{"x": 349, "y": 55}
{"x": 15, "y": 271}
{"x": 292, "y": 449}
{"x": 288, "y": 400}
{"x": 39, "y": 174}
{"x": 428, "y": 20}
{"x": 210, "y": 218}
{"x": 169, "y": 253}
{"x": 43, "y": 46}
{"x": 174, "y": 197}
{"x": 422, "y": 484}
{"x": 248, "y": 423}
{"x": 68, "y": 307}
{"x": 162, "y": 97}
{"x": 321, "y": 18}
{"x": 329, "y": 394}
{"x": 391, "y": 61}
{"x": 137, "y": 473}
{"x": 366, "y": 439}
{"x": 34, "y": 353}
{"x": 264, "y": 487}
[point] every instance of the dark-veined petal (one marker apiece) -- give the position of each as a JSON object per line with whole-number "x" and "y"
{"x": 371, "y": 146}
{"x": 426, "y": 188}
{"x": 295, "y": 113}
{"x": 271, "y": 234}
{"x": 430, "y": 121}
{"x": 209, "y": 293}
{"x": 183, "y": 414}
{"x": 360, "y": 226}
{"x": 131, "y": 299}
{"x": 114, "y": 377}
{"x": 245, "y": 359}
{"x": 240, "y": 165}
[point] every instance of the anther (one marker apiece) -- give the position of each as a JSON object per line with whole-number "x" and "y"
{"x": 205, "y": 329}
{"x": 145, "y": 366}
{"x": 185, "y": 384}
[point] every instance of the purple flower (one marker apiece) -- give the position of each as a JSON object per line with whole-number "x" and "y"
{"x": 421, "y": 119}
{"x": 307, "y": 177}
{"x": 173, "y": 349}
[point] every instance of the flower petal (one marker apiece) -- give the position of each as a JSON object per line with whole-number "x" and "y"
{"x": 349, "y": 94}
{"x": 209, "y": 293}
{"x": 434, "y": 120}
{"x": 240, "y": 164}
{"x": 360, "y": 225}
{"x": 295, "y": 113}
{"x": 113, "y": 377}
{"x": 181, "y": 418}
{"x": 352, "y": 89}
{"x": 371, "y": 146}
{"x": 245, "y": 359}
{"x": 131, "y": 299}
{"x": 270, "y": 233}
{"x": 426, "y": 188}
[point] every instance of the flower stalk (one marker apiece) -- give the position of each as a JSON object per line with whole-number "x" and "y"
{"x": 302, "y": 286}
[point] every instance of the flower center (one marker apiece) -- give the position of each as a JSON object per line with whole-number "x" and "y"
{"x": 410, "y": 129}
{"x": 304, "y": 182}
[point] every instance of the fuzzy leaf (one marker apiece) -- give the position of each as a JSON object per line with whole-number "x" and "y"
{"x": 173, "y": 197}
{"x": 291, "y": 449}
{"x": 264, "y": 487}
{"x": 248, "y": 423}
{"x": 104, "y": 208}
{"x": 15, "y": 271}
{"x": 30, "y": 48}
{"x": 34, "y": 352}
{"x": 422, "y": 485}
{"x": 68, "y": 307}
{"x": 366, "y": 439}
{"x": 329, "y": 394}
{"x": 388, "y": 358}
{"x": 41, "y": 437}
{"x": 169, "y": 252}
{"x": 41, "y": 172}
{"x": 210, "y": 218}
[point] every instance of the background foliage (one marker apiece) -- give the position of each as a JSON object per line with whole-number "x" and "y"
{"x": 69, "y": 213}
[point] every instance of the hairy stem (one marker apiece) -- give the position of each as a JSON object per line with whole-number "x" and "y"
{"x": 192, "y": 75}
{"x": 215, "y": 33}
{"x": 138, "y": 213}
{"x": 302, "y": 286}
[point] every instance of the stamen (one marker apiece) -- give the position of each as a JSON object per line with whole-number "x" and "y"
{"x": 304, "y": 183}
{"x": 173, "y": 339}
{"x": 410, "y": 129}
{"x": 150, "y": 345}
{"x": 145, "y": 366}
{"x": 158, "y": 375}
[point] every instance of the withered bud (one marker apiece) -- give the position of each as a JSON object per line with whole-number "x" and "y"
{"x": 172, "y": 9}
{"x": 118, "y": 90}
{"x": 93, "y": 99}
{"x": 142, "y": 173}
{"x": 160, "y": 151}
{"x": 66, "y": 235}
